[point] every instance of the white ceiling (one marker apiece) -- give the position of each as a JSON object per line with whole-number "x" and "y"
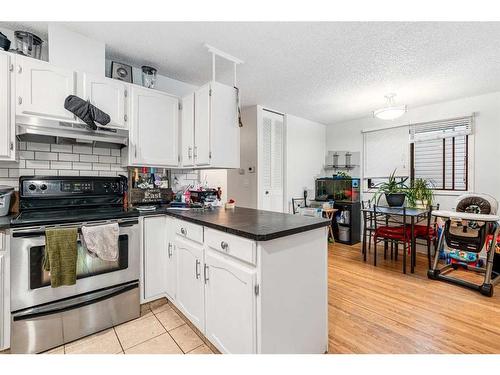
{"x": 324, "y": 71}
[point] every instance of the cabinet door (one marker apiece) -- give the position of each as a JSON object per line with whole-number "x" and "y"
{"x": 7, "y": 130}
{"x": 2, "y": 302}
{"x": 190, "y": 287}
{"x": 271, "y": 141}
{"x": 155, "y": 256}
{"x": 109, "y": 95}
{"x": 155, "y": 122}
{"x": 230, "y": 304}
{"x": 171, "y": 271}
{"x": 42, "y": 88}
{"x": 202, "y": 126}
{"x": 187, "y": 130}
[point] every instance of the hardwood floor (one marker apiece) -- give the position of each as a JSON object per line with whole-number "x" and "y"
{"x": 380, "y": 310}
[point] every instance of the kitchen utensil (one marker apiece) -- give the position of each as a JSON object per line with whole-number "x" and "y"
{"x": 28, "y": 44}
{"x": 148, "y": 76}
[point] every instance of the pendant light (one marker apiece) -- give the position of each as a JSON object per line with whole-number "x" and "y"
{"x": 391, "y": 111}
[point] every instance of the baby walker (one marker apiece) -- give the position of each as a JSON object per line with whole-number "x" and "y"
{"x": 467, "y": 230}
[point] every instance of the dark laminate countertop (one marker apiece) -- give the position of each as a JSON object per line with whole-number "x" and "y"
{"x": 257, "y": 225}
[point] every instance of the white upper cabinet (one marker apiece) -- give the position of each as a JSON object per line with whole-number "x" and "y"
{"x": 187, "y": 131}
{"x": 7, "y": 127}
{"x": 210, "y": 130}
{"x": 42, "y": 88}
{"x": 107, "y": 94}
{"x": 153, "y": 130}
{"x": 230, "y": 304}
{"x": 202, "y": 98}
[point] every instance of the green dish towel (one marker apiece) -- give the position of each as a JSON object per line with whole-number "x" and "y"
{"x": 61, "y": 255}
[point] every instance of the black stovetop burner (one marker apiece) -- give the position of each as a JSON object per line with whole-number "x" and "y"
{"x": 55, "y": 200}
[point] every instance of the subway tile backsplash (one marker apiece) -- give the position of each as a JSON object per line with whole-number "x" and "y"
{"x": 61, "y": 160}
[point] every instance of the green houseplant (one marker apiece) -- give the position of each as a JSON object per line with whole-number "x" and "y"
{"x": 394, "y": 189}
{"x": 420, "y": 193}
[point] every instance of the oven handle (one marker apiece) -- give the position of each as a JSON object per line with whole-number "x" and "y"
{"x": 74, "y": 303}
{"x": 41, "y": 230}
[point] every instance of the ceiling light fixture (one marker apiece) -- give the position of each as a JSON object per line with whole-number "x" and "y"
{"x": 391, "y": 111}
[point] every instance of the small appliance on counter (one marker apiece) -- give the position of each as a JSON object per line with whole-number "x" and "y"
{"x": 121, "y": 72}
{"x": 148, "y": 188}
{"x": 5, "y": 195}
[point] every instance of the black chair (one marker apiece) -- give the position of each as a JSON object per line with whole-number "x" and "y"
{"x": 391, "y": 229}
{"x": 368, "y": 226}
{"x": 429, "y": 232}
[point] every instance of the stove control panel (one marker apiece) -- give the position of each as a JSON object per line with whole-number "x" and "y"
{"x": 66, "y": 186}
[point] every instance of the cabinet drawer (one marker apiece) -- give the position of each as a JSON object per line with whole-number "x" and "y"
{"x": 189, "y": 230}
{"x": 238, "y": 247}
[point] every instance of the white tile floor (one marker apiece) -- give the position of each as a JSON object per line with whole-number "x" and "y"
{"x": 159, "y": 330}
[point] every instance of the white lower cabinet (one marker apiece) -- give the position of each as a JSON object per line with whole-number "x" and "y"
{"x": 155, "y": 257}
{"x": 230, "y": 304}
{"x": 171, "y": 267}
{"x": 4, "y": 293}
{"x": 190, "y": 286}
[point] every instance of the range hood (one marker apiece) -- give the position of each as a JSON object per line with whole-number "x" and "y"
{"x": 36, "y": 129}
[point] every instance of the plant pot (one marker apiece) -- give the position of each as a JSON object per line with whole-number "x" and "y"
{"x": 395, "y": 199}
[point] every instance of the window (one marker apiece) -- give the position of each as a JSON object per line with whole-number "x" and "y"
{"x": 439, "y": 152}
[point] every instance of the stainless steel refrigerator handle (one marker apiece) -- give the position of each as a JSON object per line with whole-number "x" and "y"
{"x": 74, "y": 303}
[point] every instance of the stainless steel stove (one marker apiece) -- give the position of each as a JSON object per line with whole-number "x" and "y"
{"x": 105, "y": 294}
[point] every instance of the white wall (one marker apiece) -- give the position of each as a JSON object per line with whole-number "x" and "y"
{"x": 305, "y": 156}
{"x": 485, "y": 150}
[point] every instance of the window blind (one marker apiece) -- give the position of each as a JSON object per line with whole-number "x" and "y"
{"x": 433, "y": 130}
{"x": 386, "y": 150}
{"x": 440, "y": 152}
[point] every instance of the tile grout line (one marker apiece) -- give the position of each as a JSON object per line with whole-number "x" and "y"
{"x": 183, "y": 352}
{"x": 119, "y": 341}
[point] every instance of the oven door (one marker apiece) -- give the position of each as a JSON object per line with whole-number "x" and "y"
{"x": 30, "y": 284}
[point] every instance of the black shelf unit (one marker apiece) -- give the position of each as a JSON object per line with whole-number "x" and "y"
{"x": 354, "y": 225}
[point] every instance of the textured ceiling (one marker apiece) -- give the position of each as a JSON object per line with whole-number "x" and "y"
{"x": 326, "y": 71}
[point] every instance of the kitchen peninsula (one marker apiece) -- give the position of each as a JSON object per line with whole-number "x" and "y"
{"x": 251, "y": 281}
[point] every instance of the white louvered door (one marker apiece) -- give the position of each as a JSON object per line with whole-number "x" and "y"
{"x": 272, "y": 157}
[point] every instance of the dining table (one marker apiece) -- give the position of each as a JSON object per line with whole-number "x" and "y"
{"x": 415, "y": 215}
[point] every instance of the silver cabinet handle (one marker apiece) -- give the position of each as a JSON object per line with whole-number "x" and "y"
{"x": 190, "y": 152}
{"x": 205, "y": 273}
{"x": 170, "y": 250}
{"x": 224, "y": 245}
{"x": 183, "y": 231}
{"x": 20, "y": 100}
{"x": 19, "y": 69}
{"x": 197, "y": 269}
{"x": 195, "y": 152}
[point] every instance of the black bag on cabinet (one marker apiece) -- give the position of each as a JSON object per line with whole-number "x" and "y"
{"x": 86, "y": 112}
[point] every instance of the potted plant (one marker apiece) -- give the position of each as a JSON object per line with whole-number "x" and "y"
{"x": 420, "y": 194}
{"x": 394, "y": 190}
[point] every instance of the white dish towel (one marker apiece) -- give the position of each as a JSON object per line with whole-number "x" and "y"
{"x": 102, "y": 241}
